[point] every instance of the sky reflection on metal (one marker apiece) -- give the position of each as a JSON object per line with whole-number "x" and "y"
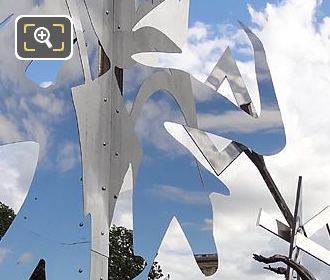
{"x": 67, "y": 223}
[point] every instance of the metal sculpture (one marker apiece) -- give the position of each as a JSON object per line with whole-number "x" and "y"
{"x": 109, "y": 145}
{"x": 110, "y": 148}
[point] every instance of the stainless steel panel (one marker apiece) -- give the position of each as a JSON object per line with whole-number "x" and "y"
{"x": 269, "y": 121}
{"x": 108, "y": 145}
{"x": 177, "y": 83}
{"x": 317, "y": 222}
{"x": 43, "y": 230}
{"x": 313, "y": 249}
{"x": 145, "y": 8}
{"x": 83, "y": 54}
{"x": 274, "y": 226}
{"x": 219, "y": 160}
{"x": 226, "y": 68}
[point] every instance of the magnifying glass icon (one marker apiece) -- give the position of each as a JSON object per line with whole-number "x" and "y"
{"x": 42, "y": 36}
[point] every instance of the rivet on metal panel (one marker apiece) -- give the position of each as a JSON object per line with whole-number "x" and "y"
{"x": 105, "y": 99}
{"x": 102, "y": 233}
{"x": 81, "y": 224}
{"x": 119, "y": 27}
{"x": 35, "y": 198}
{"x": 104, "y": 144}
{"x": 115, "y": 197}
{"x": 117, "y": 154}
{"x": 25, "y": 218}
{"x": 117, "y": 111}
{"x": 107, "y": 12}
{"x": 104, "y": 188}
{"x": 80, "y": 270}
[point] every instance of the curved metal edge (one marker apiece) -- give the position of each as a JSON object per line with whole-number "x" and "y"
{"x": 200, "y": 145}
{"x": 83, "y": 54}
{"x": 6, "y": 20}
{"x": 266, "y": 87}
{"x": 176, "y": 83}
{"x": 145, "y": 8}
{"x": 171, "y": 17}
{"x": 226, "y": 68}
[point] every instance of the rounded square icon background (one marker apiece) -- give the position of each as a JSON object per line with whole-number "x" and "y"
{"x": 61, "y": 38}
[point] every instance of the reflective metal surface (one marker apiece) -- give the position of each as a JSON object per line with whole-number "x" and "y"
{"x": 130, "y": 139}
{"x": 214, "y": 155}
{"x": 38, "y": 232}
{"x": 226, "y": 68}
{"x": 13, "y": 157}
{"x": 116, "y": 34}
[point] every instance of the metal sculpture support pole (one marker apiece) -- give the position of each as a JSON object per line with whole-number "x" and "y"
{"x": 297, "y": 228}
{"x": 259, "y": 162}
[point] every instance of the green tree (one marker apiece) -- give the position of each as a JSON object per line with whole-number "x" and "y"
{"x": 122, "y": 262}
{"x": 7, "y": 215}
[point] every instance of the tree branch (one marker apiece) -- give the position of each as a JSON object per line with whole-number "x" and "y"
{"x": 304, "y": 273}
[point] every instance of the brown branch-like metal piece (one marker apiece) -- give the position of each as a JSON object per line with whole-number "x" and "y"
{"x": 259, "y": 162}
{"x": 277, "y": 270}
{"x": 303, "y": 272}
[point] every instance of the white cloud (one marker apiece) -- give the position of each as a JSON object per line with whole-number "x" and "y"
{"x": 180, "y": 195}
{"x": 3, "y": 254}
{"x": 150, "y": 126}
{"x": 230, "y": 122}
{"x": 49, "y": 104}
{"x": 67, "y": 157}
{"x": 175, "y": 255}
{"x": 208, "y": 225}
{"x": 46, "y": 84}
{"x": 8, "y": 129}
{"x": 25, "y": 258}
{"x": 123, "y": 213}
{"x": 15, "y": 174}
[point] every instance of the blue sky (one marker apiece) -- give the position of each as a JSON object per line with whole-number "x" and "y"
{"x": 168, "y": 172}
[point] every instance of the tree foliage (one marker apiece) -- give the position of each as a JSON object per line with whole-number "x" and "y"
{"x": 7, "y": 215}
{"x": 123, "y": 264}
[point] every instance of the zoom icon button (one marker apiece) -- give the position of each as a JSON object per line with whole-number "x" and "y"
{"x": 44, "y": 37}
